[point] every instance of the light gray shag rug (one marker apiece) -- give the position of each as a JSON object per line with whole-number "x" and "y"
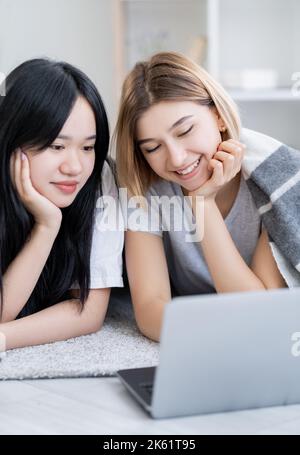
{"x": 116, "y": 346}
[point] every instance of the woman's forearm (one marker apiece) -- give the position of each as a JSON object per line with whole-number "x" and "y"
{"x": 24, "y": 271}
{"x": 228, "y": 269}
{"x": 149, "y": 318}
{"x": 59, "y": 322}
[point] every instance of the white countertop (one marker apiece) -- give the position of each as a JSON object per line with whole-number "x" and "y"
{"x": 102, "y": 406}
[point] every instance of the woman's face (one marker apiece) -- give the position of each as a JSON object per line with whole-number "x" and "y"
{"x": 178, "y": 138}
{"x": 60, "y": 171}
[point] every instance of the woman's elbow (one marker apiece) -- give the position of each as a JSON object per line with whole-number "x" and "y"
{"x": 147, "y": 329}
{"x": 4, "y": 318}
{"x": 148, "y": 332}
{"x": 149, "y": 317}
{"x": 90, "y": 323}
{"x": 93, "y": 315}
{"x": 94, "y": 326}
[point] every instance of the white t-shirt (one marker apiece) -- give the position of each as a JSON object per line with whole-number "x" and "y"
{"x": 108, "y": 237}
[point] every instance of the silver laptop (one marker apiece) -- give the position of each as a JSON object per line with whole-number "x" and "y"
{"x": 223, "y": 352}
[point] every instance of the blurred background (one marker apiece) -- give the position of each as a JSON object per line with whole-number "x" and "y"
{"x": 250, "y": 46}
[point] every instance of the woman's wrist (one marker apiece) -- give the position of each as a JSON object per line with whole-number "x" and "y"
{"x": 207, "y": 202}
{"x": 49, "y": 229}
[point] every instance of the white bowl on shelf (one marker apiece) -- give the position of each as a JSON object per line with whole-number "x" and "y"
{"x": 251, "y": 79}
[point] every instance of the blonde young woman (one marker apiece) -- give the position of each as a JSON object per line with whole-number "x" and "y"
{"x": 178, "y": 134}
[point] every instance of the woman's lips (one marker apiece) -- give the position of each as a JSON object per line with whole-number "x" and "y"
{"x": 67, "y": 189}
{"x": 191, "y": 174}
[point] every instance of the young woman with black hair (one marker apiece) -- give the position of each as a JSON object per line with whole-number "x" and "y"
{"x": 56, "y": 265}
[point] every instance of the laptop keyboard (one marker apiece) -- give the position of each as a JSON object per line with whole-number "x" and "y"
{"x": 148, "y": 388}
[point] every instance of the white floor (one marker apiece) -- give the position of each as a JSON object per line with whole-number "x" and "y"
{"x": 103, "y": 406}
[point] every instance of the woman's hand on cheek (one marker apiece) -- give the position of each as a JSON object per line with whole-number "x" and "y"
{"x": 225, "y": 164}
{"x": 44, "y": 211}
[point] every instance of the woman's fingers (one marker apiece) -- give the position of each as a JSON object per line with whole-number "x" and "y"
{"x": 225, "y": 164}
{"x": 230, "y": 163}
{"x": 223, "y": 156}
{"x": 21, "y": 174}
{"x": 25, "y": 175}
{"x": 231, "y": 153}
{"x": 43, "y": 210}
{"x": 217, "y": 174}
{"x": 232, "y": 146}
{"x": 17, "y": 171}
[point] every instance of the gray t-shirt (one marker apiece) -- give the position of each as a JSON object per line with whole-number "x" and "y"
{"x": 186, "y": 264}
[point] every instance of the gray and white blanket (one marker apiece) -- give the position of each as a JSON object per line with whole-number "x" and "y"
{"x": 272, "y": 172}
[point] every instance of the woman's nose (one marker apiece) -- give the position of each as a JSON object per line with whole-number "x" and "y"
{"x": 176, "y": 155}
{"x": 71, "y": 164}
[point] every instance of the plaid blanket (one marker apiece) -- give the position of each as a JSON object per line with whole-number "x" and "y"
{"x": 272, "y": 172}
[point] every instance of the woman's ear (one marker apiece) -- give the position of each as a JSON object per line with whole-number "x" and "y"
{"x": 221, "y": 125}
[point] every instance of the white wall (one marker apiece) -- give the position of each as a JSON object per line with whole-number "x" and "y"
{"x": 258, "y": 34}
{"x": 78, "y": 31}
{"x": 154, "y": 26}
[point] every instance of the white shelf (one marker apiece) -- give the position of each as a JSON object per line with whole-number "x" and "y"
{"x": 280, "y": 94}
{"x": 238, "y": 36}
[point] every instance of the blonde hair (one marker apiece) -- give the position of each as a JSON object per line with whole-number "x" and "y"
{"x": 165, "y": 76}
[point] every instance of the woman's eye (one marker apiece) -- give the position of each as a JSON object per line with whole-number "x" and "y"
{"x": 186, "y": 132}
{"x": 152, "y": 150}
{"x": 56, "y": 147}
{"x": 89, "y": 148}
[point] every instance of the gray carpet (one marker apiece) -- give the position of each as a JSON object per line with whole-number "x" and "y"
{"x": 117, "y": 345}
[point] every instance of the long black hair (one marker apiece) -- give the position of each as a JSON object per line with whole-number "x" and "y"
{"x": 39, "y": 97}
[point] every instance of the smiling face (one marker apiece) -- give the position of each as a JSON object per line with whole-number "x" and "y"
{"x": 177, "y": 139}
{"x": 60, "y": 171}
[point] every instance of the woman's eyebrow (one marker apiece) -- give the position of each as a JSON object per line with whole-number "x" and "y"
{"x": 63, "y": 136}
{"x": 177, "y": 123}
{"x": 181, "y": 120}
